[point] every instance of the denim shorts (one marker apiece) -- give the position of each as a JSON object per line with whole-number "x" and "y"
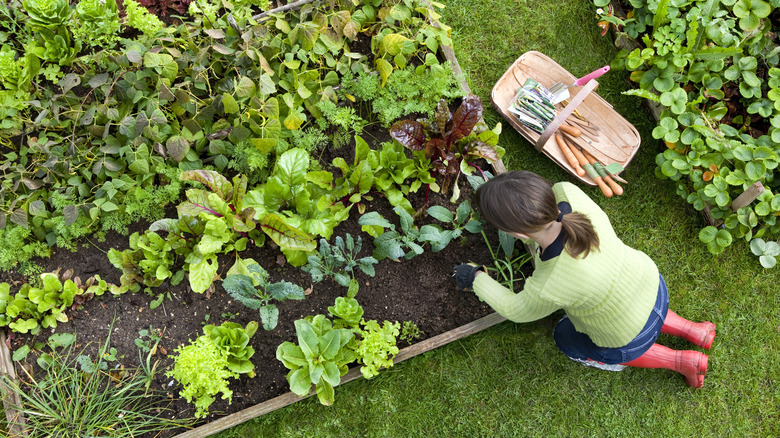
{"x": 578, "y": 345}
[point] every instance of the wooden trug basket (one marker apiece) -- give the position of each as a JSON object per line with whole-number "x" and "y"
{"x": 608, "y": 136}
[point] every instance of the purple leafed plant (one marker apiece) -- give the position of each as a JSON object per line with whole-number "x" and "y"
{"x": 448, "y": 139}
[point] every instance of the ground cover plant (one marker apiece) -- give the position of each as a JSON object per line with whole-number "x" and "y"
{"x": 712, "y": 67}
{"x": 195, "y": 172}
{"x": 511, "y": 380}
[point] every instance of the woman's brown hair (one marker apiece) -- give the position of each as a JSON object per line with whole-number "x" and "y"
{"x": 524, "y": 202}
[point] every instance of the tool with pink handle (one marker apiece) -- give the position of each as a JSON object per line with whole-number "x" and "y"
{"x": 560, "y": 91}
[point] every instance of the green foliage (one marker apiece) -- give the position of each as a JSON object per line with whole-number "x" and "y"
{"x": 35, "y": 307}
{"x": 765, "y": 251}
{"x": 389, "y": 243}
{"x": 347, "y": 312}
{"x": 15, "y": 247}
{"x": 407, "y": 91}
{"x": 233, "y": 342}
{"x": 148, "y": 262}
{"x": 47, "y": 14}
{"x": 203, "y": 370}
{"x": 462, "y": 220}
{"x": 138, "y": 17}
{"x": 410, "y": 332}
{"x": 98, "y": 23}
{"x": 247, "y": 282}
{"x": 339, "y": 261}
{"x": 86, "y": 400}
{"x": 691, "y": 57}
{"x": 320, "y": 358}
{"x": 376, "y": 346}
{"x": 211, "y": 222}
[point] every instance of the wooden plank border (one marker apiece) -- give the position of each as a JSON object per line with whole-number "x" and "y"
{"x": 11, "y": 398}
{"x": 354, "y": 373}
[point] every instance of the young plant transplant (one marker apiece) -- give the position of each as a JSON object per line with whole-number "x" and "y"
{"x": 339, "y": 261}
{"x": 247, "y": 282}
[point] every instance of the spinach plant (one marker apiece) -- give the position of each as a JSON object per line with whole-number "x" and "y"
{"x": 389, "y": 243}
{"x": 247, "y": 282}
{"x": 462, "y": 220}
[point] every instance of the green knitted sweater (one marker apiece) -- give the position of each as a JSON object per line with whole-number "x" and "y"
{"x": 608, "y": 295}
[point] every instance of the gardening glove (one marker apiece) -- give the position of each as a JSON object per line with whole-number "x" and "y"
{"x": 464, "y": 275}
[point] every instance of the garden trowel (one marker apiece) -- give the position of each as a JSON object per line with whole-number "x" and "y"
{"x": 560, "y": 91}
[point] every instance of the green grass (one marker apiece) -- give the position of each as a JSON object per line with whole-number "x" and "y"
{"x": 511, "y": 380}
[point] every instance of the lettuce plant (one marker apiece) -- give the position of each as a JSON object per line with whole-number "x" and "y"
{"x": 247, "y": 282}
{"x": 47, "y": 14}
{"x": 98, "y": 23}
{"x": 140, "y": 18}
{"x": 347, "y": 311}
{"x": 320, "y": 358}
{"x": 148, "y": 262}
{"x": 203, "y": 371}
{"x": 233, "y": 341}
{"x": 377, "y": 346}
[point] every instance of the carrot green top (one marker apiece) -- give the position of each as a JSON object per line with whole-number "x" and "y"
{"x": 608, "y": 295}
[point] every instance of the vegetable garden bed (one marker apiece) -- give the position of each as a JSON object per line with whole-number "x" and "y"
{"x": 417, "y": 292}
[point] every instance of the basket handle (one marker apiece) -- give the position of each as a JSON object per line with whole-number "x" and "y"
{"x": 564, "y": 114}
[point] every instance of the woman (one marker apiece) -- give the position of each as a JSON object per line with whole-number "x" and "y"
{"x": 615, "y": 300}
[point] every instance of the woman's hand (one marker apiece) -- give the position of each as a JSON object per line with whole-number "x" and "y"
{"x": 464, "y": 275}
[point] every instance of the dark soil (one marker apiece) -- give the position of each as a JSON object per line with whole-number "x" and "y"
{"x": 420, "y": 290}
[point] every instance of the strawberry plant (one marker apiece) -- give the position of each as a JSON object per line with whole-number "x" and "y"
{"x": 710, "y": 66}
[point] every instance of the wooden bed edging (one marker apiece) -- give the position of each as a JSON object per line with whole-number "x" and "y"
{"x": 11, "y": 398}
{"x": 290, "y": 398}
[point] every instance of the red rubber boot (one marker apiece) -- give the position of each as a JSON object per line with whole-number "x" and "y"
{"x": 698, "y": 333}
{"x": 691, "y": 364}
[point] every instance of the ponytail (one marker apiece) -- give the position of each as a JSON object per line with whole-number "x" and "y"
{"x": 524, "y": 202}
{"x": 582, "y": 236}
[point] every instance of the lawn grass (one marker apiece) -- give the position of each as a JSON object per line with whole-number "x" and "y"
{"x": 511, "y": 380}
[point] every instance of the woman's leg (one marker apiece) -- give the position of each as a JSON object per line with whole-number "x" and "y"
{"x": 698, "y": 333}
{"x": 689, "y": 363}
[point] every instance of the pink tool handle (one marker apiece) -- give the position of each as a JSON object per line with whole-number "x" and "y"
{"x": 593, "y": 75}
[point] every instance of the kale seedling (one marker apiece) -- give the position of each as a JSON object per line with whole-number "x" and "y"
{"x": 247, "y": 282}
{"x": 339, "y": 261}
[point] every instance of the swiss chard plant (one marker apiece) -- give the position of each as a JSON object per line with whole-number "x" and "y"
{"x": 248, "y": 283}
{"x": 450, "y": 141}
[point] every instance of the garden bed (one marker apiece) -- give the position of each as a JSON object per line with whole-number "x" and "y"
{"x": 420, "y": 291}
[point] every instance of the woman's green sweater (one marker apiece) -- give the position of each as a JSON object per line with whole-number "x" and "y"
{"x": 608, "y": 295}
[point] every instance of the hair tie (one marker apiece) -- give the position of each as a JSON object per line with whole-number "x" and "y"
{"x": 560, "y": 216}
